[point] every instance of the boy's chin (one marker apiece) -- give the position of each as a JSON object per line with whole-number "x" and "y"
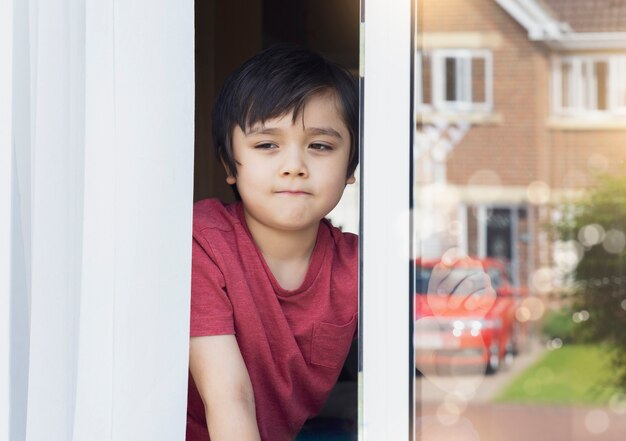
{"x": 291, "y": 225}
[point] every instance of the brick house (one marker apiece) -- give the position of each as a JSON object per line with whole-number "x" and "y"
{"x": 520, "y": 102}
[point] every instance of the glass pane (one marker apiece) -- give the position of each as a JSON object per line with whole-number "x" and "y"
{"x": 566, "y": 85}
{"x": 426, "y": 79}
{"x": 587, "y": 86}
{"x": 620, "y": 81}
{"x": 601, "y": 73}
{"x": 451, "y": 79}
{"x": 519, "y": 230}
{"x": 479, "y": 80}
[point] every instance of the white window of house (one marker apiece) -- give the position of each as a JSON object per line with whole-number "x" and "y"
{"x": 589, "y": 85}
{"x": 458, "y": 80}
{"x": 617, "y": 97}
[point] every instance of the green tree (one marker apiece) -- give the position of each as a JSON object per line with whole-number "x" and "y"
{"x": 598, "y": 222}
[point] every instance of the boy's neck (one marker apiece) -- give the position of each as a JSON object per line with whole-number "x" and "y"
{"x": 282, "y": 245}
{"x": 287, "y": 253}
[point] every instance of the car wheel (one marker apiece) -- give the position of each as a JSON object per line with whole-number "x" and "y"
{"x": 510, "y": 354}
{"x": 493, "y": 363}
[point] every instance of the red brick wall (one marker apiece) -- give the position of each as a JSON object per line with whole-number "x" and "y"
{"x": 511, "y": 148}
{"x": 520, "y": 148}
{"x": 578, "y": 155}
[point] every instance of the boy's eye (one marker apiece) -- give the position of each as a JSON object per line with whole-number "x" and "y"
{"x": 266, "y": 146}
{"x": 320, "y": 147}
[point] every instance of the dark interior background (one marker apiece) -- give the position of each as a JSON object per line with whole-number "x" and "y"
{"x": 227, "y": 34}
{"x": 230, "y": 32}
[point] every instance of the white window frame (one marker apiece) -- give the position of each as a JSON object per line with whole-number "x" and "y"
{"x": 583, "y": 90}
{"x": 463, "y": 81}
{"x": 386, "y": 374}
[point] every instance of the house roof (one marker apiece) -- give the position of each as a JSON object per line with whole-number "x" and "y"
{"x": 572, "y": 24}
{"x": 589, "y": 15}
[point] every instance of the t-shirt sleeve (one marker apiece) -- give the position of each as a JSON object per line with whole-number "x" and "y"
{"x": 211, "y": 309}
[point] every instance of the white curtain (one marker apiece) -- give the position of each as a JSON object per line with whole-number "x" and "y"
{"x": 96, "y": 162}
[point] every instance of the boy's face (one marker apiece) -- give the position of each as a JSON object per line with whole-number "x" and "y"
{"x": 292, "y": 174}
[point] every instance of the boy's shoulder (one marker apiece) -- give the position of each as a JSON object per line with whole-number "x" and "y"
{"x": 214, "y": 214}
{"x": 347, "y": 243}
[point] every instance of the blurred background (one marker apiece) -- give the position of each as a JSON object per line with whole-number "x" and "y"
{"x": 520, "y": 111}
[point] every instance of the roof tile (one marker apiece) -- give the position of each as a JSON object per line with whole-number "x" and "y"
{"x": 590, "y": 15}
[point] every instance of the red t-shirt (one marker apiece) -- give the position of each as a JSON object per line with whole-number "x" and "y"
{"x": 294, "y": 342}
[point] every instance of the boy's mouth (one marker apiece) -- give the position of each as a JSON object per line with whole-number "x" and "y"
{"x": 294, "y": 192}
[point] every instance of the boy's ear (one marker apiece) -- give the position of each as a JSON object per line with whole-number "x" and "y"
{"x": 351, "y": 180}
{"x": 230, "y": 179}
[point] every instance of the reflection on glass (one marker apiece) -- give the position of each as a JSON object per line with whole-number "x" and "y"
{"x": 519, "y": 176}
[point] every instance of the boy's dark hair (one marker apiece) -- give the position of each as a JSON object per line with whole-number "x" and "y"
{"x": 274, "y": 82}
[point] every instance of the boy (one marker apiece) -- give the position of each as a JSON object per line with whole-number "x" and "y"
{"x": 274, "y": 284}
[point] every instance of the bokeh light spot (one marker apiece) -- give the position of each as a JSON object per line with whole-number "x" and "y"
{"x": 455, "y": 403}
{"x": 538, "y": 192}
{"x": 555, "y": 343}
{"x": 542, "y": 280}
{"x": 567, "y": 254}
{"x": 522, "y": 314}
{"x": 484, "y": 184}
{"x": 534, "y": 308}
{"x": 614, "y": 241}
{"x": 445, "y": 417}
{"x": 580, "y": 316}
{"x": 591, "y": 235}
{"x": 597, "y": 421}
{"x": 617, "y": 403}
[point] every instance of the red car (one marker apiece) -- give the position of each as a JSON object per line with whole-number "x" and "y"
{"x": 453, "y": 332}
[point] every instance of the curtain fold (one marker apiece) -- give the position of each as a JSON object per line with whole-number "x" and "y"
{"x": 96, "y": 199}
{"x": 6, "y": 158}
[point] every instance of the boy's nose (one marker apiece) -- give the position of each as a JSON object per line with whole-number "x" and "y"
{"x": 294, "y": 165}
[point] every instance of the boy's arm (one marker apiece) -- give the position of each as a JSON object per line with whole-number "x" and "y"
{"x": 223, "y": 382}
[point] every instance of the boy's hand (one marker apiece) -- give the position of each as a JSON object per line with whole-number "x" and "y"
{"x": 462, "y": 281}
{"x": 222, "y": 379}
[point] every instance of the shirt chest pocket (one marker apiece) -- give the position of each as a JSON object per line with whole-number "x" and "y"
{"x": 330, "y": 343}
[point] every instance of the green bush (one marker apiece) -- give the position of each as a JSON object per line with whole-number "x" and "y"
{"x": 599, "y": 286}
{"x": 559, "y": 324}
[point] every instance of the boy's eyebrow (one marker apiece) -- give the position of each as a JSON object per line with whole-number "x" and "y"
{"x": 329, "y": 131}
{"x": 262, "y": 130}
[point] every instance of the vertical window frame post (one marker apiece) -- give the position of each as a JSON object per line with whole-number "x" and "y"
{"x": 387, "y": 123}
